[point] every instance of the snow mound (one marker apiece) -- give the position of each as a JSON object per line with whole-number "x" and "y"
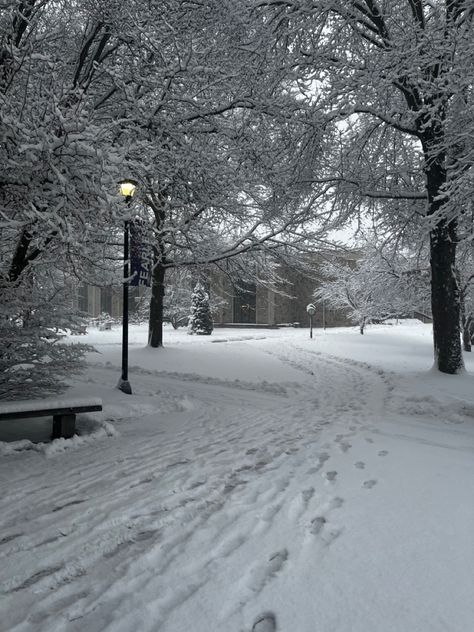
{"x": 89, "y": 431}
{"x": 453, "y": 411}
{"x": 264, "y": 386}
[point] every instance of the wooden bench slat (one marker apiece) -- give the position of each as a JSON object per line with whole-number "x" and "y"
{"x": 48, "y": 404}
{"x": 62, "y": 412}
{"x": 44, "y": 412}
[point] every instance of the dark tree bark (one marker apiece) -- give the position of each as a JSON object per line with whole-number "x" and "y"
{"x": 470, "y": 329}
{"x": 445, "y": 299}
{"x": 467, "y": 326}
{"x": 21, "y": 20}
{"x": 20, "y": 258}
{"x": 466, "y": 337}
{"x": 155, "y": 323}
{"x": 155, "y": 326}
{"x": 465, "y": 320}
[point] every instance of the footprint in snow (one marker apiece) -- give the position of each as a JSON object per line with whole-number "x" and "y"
{"x": 383, "y": 452}
{"x": 196, "y": 484}
{"x": 266, "y": 622}
{"x": 142, "y": 481}
{"x": 9, "y": 538}
{"x": 369, "y": 484}
{"x": 322, "y": 458}
{"x": 345, "y": 446}
{"x": 253, "y": 582}
{"x": 329, "y": 538}
{"x": 299, "y": 503}
{"x": 360, "y": 465}
{"x": 34, "y": 579}
{"x": 317, "y": 525}
{"x": 276, "y": 561}
{"x": 336, "y": 502}
{"x": 79, "y": 501}
{"x": 261, "y": 574}
{"x": 307, "y": 494}
{"x": 146, "y": 534}
{"x": 331, "y": 476}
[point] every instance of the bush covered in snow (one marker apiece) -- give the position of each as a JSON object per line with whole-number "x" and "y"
{"x": 34, "y": 317}
{"x": 200, "y": 319}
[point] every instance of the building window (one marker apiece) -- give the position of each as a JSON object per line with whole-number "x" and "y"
{"x": 106, "y": 300}
{"x": 245, "y": 303}
{"x": 82, "y": 298}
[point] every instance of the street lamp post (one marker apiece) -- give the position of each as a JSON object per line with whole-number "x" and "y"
{"x": 311, "y": 309}
{"x": 127, "y": 189}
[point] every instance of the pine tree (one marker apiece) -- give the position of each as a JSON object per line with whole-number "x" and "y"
{"x": 200, "y": 320}
{"x": 34, "y": 318}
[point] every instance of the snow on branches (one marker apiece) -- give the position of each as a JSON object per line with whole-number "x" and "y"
{"x": 200, "y": 319}
{"x": 375, "y": 285}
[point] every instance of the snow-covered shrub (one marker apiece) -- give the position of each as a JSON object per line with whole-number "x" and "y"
{"x": 375, "y": 286}
{"x": 104, "y": 321}
{"x": 200, "y": 319}
{"x": 176, "y": 304}
{"x": 34, "y": 317}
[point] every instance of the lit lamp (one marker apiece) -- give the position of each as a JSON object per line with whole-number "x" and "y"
{"x": 127, "y": 189}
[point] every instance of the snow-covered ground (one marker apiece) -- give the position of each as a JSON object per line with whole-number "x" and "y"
{"x": 255, "y": 480}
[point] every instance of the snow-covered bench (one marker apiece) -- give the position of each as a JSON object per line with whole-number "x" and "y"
{"x": 63, "y": 412}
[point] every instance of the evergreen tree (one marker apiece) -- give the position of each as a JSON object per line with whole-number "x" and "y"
{"x": 34, "y": 318}
{"x": 200, "y": 320}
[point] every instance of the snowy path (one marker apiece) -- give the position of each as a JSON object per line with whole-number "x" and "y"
{"x": 305, "y": 507}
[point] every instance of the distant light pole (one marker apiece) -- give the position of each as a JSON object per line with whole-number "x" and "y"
{"x": 311, "y": 309}
{"x": 127, "y": 189}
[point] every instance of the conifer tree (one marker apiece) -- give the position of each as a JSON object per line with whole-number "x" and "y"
{"x": 200, "y": 320}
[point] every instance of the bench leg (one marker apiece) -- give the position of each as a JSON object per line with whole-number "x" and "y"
{"x": 64, "y": 426}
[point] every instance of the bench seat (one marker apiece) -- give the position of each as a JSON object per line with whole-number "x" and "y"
{"x": 63, "y": 412}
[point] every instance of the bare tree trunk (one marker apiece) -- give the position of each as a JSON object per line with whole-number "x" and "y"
{"x": 466, "y": 337}
{"x": 445, "y": 300}
{"x": 155, "y": 328}
{"x": 470, "y": 328}
{"x": 467, "y": 332}
{"x": 155, "y": 323}
{"x": 444, "y": 285}
{"x": 465, "y": 321}
{"x": 362, "y": 326}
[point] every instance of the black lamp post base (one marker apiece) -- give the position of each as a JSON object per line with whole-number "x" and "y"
{"x": 124, "y": 386}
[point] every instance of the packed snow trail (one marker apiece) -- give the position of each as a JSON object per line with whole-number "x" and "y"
{"x": 301, "y": 506}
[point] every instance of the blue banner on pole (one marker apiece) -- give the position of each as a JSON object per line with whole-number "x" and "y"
{"x": 140, "y": 254}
